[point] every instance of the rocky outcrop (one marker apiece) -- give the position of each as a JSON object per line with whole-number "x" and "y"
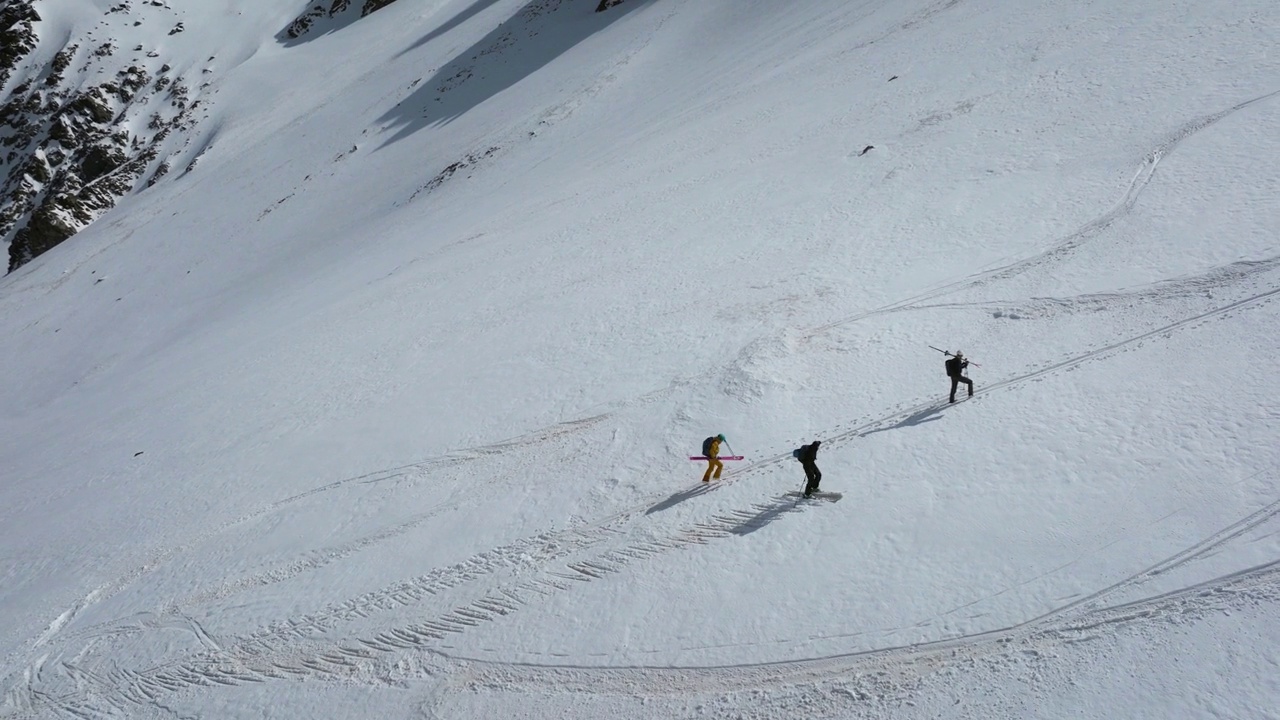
{"x": 66, "y": 155}
{"x": 310, "y": 20}
{"x": 17, "y": 36}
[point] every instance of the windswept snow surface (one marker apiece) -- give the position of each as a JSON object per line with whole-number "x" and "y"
{"x": 383, "y": 409}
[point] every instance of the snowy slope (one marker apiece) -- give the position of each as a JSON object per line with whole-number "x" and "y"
{"x": 383, "y": 409}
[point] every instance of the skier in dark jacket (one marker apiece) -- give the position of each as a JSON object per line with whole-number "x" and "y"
{"x": 955, "y": 370}
{"x": 808, "y": 456}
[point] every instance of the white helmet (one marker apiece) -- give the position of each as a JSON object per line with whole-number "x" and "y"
{"x": 959, "y": 353}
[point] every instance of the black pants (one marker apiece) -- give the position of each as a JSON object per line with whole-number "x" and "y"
{"x": 813, "y": 475}
{"x": 955, "y": 382}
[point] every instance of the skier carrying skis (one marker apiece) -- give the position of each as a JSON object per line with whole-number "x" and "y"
{"x": 808, "y": 457}
{"x": 711, "y": 449}
{"x": 955, "y": 370}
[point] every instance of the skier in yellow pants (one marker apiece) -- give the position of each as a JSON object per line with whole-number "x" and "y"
{"x": 711, "y": 449}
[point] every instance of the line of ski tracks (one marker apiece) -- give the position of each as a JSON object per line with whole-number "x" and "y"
{"x": 359, "y": 638}
{"x": 1069, "y": 243}
{"x": 1077, "y": 622}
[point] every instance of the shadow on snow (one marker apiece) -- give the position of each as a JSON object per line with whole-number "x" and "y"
{"x": 536, "y": 35}
{"x": 475, "y": 9}
{"x": 766, "y": 513}
{"x": 929, "y": 414}
{"x": 321, "y": 23}
{"x": 679, "y": 497}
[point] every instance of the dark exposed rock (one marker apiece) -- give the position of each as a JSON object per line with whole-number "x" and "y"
{"x": 133, "y": 80}
{"x": 306, "y": 22}
{"x": 301, "y": 25}
{"x": 63, "y": 131}
{"x": 60, "y": 63}
{"x": 94, "y": 104}
{"x": 62, "y": 60}
{"x": 160, "y": 172}
{"x": 38, "y": 169}
{"x": 49, "y": 225}
{"x": 100, "y": 159}
{"x": 371, "y": 6}
{"x": 71, "y": 203}
{"x": 67, "y": 156}
{"x": 450, "y": 170}
{"x": 17, "y": 35}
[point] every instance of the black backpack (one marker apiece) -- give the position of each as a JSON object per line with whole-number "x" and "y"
{"x": 954, "y": 366}
{"x": 706, "y": 445}
{"x": 807, "y": 453}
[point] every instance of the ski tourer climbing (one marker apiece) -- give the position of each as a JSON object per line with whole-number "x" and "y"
{"x": 956, "y": 365}
{"x": 808, "y": 457}
{"x": 711, "y": 449}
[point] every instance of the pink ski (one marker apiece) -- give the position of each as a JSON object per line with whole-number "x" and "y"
{"x": 722, "y": 457}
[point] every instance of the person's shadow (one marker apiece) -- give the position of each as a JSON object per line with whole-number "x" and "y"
{"x": 766, "y": 513}
{"x": 679, "y": 497}
{"x": 920, "y": 417}
{"x": 537, "y": 34}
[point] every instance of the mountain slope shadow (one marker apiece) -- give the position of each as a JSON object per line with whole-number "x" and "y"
{"x": 474, "y": 9}
{"x": 536, "y": 35}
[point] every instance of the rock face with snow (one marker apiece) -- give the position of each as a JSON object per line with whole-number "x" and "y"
{"x": 17, "y": 38}
{"x": 80, "y": 129}
{"x": 308, "y": 21}
{"x": 90, "y": 116}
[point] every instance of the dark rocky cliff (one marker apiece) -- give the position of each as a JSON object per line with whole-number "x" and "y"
{"x": 71, "y": 142}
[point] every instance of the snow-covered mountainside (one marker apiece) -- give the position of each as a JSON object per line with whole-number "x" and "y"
{"x": 95, "y": 110}
{"x": 355, "y": 352}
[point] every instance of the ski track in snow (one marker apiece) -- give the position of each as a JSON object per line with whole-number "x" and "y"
{"x": 1067, "y": 244}
{"x": 449, "y": 460}
{"x": 1062, "y": 626}
{"x": 499, "y": 582}
{"x": 1227, "y": 276}
{"x": 55, "y": 637}
{"x": 262, "y": 660}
